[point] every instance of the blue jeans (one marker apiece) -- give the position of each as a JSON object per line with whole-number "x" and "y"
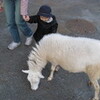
{"x": 15, "y": 20}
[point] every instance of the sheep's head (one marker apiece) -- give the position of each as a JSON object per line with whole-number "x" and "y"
{"x": 33, "y": 78}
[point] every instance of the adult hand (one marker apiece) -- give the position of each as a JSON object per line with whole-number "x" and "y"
{"x": 26, "y": 17}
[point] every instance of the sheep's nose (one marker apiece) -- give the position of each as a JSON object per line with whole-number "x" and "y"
{"x": 34, "y": 88}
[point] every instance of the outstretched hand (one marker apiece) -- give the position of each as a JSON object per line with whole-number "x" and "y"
{"x": 26, "y": 17}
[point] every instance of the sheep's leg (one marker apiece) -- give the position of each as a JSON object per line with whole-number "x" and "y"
{"x": 89, "y": 83}
{"x": 97, "y": 88}
{"x": 53, "y": 69}
{"x": 93, "y": 76}
{"x": 57, "y": 68}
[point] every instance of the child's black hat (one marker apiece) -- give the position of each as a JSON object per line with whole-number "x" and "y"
{"x": 45, "y": 11}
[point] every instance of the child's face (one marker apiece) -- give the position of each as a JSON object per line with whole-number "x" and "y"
{"x": 44, "y": 18}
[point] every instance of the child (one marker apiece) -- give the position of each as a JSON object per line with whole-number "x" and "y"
{"x": 46, "y": 22}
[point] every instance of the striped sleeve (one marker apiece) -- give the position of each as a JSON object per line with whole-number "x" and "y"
{"x": 24, "y": 7}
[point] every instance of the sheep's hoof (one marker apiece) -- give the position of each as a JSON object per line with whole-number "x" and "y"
{"x": 90, "y": 84}
{"x": 49, "y": 78}
{"x": 57, "y": 68}
{"x": 95, "y": 99}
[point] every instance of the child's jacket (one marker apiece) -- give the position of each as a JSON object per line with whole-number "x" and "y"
{"x": 43, "y": 28}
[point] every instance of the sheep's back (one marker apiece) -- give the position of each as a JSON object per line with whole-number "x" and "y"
{"x": 71, "y": 51}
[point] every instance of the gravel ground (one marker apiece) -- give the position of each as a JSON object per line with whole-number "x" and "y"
{"x": 65, "y": 85}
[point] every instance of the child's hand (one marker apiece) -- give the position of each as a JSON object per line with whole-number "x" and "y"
{"x": 26, "y": 17}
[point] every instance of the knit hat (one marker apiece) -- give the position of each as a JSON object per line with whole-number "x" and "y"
{"x": 45, "y": 11}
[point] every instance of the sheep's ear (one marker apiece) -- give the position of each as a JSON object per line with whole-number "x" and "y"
{"x": 25, "y": 71}
{"x": 41, "y": 76}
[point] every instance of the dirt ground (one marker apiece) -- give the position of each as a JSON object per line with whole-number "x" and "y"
{"x": 65, "y": 85}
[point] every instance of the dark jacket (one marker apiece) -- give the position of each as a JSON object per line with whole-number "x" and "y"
{"x": 43, "y": 28}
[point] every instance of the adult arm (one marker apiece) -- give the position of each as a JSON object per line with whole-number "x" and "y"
{"x": 24, "y": 7}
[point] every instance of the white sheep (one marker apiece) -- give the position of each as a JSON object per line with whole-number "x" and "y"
{"x": 75, "y": 54}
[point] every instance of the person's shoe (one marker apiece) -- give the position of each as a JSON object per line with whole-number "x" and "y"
{"x": 13, "y": 45}
{"x": 29, "y": 40}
